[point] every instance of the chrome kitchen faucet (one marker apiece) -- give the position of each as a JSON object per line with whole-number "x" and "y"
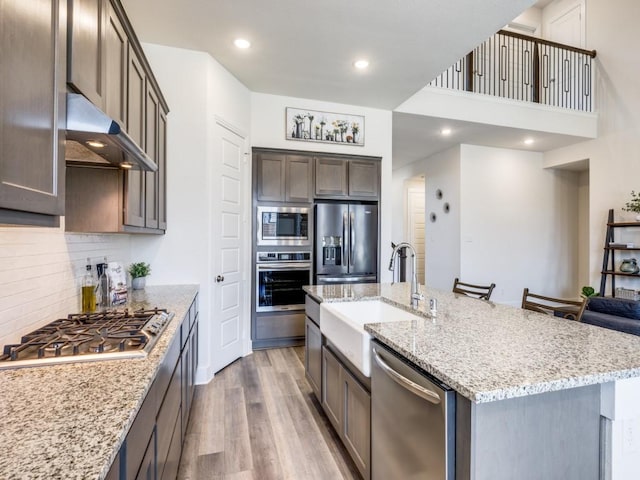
{"x": 416, "y": 296}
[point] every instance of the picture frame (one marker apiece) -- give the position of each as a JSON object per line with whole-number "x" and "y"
{"x": 324, "y": 127}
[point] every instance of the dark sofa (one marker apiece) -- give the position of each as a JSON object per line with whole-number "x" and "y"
{"x": 614, "y": 313}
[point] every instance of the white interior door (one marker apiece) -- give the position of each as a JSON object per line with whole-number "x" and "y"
{"x": 227, "y": 254}
{"x": 415, "y": 214}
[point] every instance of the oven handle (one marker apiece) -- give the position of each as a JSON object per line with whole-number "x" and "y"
{"x": 284, "y": 266}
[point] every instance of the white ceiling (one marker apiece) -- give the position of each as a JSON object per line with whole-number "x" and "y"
{"x": 306, "y": 49}
{"x": 416, "y": 137}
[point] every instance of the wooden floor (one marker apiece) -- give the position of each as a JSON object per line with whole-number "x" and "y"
{"x": 258, "y": 419}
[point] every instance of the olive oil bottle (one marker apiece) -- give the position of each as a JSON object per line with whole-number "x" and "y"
{"x": 88, "y": 291}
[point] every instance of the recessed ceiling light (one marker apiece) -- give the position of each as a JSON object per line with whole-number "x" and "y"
{"x": 96, "y": 144}
{"x": 242, "y": 43}
{"x": 361, "y": 64}
{"x": 528, "y": 141}
{"x": 445, "y": 131}
{"x": 126, "y": 165}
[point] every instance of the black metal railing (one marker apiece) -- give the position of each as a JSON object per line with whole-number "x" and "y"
{"x": 525, "y": 68}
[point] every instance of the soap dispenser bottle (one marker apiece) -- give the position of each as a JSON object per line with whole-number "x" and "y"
{"x": 88, "y": 290}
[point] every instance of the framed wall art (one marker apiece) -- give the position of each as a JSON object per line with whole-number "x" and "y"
{"x": 325, "y": 127}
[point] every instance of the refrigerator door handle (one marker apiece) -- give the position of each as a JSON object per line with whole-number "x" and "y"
{"x": 344, "y": 239}
{"x": 352, "y": 237}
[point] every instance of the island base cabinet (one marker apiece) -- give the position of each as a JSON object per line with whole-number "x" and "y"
{"x": 553, "y": 435}
{"x": 313, "y": 357}
{"x": 332, "y": 395}
{"x": 348, "y": 405}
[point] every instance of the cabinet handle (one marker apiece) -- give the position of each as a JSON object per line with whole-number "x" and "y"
{"x": 219, "y": 279}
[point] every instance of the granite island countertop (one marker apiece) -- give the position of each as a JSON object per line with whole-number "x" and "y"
{"x": 487, "y": 351}
{"x": 69, "y": 421}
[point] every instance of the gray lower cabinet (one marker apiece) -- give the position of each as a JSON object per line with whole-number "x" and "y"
{"x": 278, "y": 329}
{"x": 313, "y": 356}
{"x": 148, "y": 466}
{"x": 153, "y": 446}
{"x": 347, "y": 404}
{"x": 32, "y": 111}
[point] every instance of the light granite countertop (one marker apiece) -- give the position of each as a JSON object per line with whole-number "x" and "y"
{"x": 69, "y": 421}
{"x": 487, "y": 351}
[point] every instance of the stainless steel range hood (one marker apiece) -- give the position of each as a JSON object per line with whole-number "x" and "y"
{"x": 88, "y": 125}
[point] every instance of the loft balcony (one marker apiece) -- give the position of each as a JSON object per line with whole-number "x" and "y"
{"x": 530, "y": 69}
{"x": 511, "y": 87}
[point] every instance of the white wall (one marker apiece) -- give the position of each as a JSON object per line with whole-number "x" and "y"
{"x": 442, "y": 237}
{"x": 268, "y": 131}
{"x": 198, "y": 89}
{"x": 614, "y": 157}
{"x": 518, "y": 223}
{"x": 40, "y": 274}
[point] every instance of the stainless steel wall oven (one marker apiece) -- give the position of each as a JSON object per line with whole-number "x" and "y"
{"x": 278, "y": 225}
{"x": 280, "y": 277}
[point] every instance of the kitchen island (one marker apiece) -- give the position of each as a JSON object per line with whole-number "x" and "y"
{"x": 70, "y": 421}
{"x": 520, "y": 377}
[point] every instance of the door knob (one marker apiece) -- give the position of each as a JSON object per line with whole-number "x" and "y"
{"x": 219, "y": 278}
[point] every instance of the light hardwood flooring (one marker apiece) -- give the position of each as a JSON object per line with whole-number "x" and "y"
{"x": 259, "y": 419}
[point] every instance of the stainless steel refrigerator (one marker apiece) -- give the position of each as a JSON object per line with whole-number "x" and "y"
{"x": 346, "y": 245}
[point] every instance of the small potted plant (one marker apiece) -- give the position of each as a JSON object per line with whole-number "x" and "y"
{"x": 139, "y": 272}
{"x": 633, "y": 205}
{"x": 588, "y": 292}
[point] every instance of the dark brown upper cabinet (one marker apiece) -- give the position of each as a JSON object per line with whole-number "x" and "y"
{"x": 283, "y": 177}
{"x": 86, "y": 67}
{"x": 344, "y": 178}
{"x": 32, "y": 111}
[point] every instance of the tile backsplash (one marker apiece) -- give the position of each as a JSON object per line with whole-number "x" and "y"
{"x": 41, "y": 271}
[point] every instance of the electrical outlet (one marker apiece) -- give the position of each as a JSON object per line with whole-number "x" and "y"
{"x": 630, "y": 433}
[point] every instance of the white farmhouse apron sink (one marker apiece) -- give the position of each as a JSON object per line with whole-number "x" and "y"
{"x": 343, "y": 324}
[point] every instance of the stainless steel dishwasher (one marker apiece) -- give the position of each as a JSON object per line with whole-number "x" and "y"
{"x": 412, "y": 421}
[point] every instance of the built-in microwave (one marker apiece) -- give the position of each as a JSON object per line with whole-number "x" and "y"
{"x": 279, "y": 225}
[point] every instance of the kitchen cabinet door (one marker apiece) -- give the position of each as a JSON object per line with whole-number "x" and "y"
{"x": 148, "y": 466}
{"x": 32, "y": 111}
{"x": 313, "y": 356}
{"x": 331, "y": 177}
{"x": 271, "y": 177}
{"x": 134, "y": 201}
{"x": 86, "y": 73}
{"x": 332, "y": 390}
{"x": 152, "y": 115}
{"x": 364, "y": 178}
{"x": 187, "y": 365}
{"x": 115, "y": 53}
{"x": 299, "y": 178}
{"x": 356, "y": 428}
{"x": 162, "y": 170}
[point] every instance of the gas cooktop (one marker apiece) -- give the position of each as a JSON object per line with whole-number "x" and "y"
{"x": 85, "y": 337}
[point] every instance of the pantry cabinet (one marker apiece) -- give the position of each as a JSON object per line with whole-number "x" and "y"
{"x": 32, "y": 111}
